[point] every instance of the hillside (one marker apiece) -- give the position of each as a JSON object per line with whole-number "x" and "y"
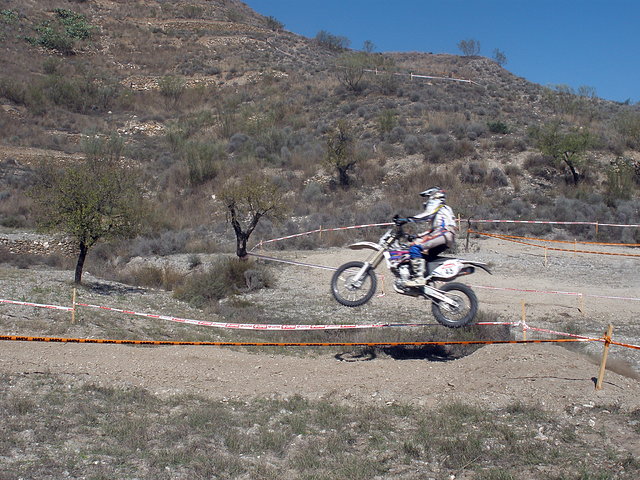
{"x": 187, "y": 97}
{"x": 201, "y": 91}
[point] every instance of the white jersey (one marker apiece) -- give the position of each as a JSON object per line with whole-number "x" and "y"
{"x": 443, "y": 219}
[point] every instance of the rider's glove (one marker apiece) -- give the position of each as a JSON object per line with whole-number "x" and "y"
{"x": 411, "y": 238}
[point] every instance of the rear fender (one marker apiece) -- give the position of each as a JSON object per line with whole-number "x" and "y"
{"x": 481, "y": 265}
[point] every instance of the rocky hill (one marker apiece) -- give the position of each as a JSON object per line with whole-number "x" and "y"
{"x": 195, "y": 93}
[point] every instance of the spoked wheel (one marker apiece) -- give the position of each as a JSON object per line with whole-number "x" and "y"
{"x": 350, "y": 291}
{"x": 464, "y": 310}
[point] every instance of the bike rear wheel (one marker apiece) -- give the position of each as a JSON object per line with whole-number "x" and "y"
{"x": 464, "y": 310}
{"x": 349, "y": 292}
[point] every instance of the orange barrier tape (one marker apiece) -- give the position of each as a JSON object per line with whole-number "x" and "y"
{"x": 18, "y": 338}
{"x": 506, "y": 238}
{"x": 635, "y": 347}
{"x": 500, "y": 235}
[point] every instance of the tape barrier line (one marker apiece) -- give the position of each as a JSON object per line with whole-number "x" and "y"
{"x": 500, "y": 235}
{"x": 18, "y": 338}
{"x": 551, "y": 222}
{"x": 553, "y": 332}
{"x": 635, "y": 347}
{"x": 291, "y": 262}
{"x": 239, "y": 326}
{"x": 555, "y": 292}
{"x": 38, "y": 305}
{"x": 320, "y": 230}
{"x": 505, "y": 238}
{"x": 249, "y": 326}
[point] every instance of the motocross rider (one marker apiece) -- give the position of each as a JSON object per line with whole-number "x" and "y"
{"x": 439, "y": 236}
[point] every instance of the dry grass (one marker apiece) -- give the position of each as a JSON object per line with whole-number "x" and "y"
{"x": 117, "y": 432}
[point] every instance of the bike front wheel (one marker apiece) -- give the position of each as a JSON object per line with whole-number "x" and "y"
{"x": 464, "y": 309}
{"x": 349, "y": 290}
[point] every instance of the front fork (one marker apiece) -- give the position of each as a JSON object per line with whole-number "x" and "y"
{"x": 369, "y": 264}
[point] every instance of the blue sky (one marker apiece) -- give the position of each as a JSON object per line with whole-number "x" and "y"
{"x": 593, "y": 43}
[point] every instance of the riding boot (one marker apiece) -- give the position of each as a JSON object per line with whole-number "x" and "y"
{"x": 417, "y": 279}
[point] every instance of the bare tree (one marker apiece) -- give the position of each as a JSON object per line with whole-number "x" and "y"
{"x": 499, "y": 57}
{"x": 350, "y": 69}
{"x": 341, "y": 151}
{"x": 469, "y": 47}
{"x": 248, "y": 200}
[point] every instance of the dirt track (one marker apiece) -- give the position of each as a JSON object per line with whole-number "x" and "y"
{"x": 494, "y": 375}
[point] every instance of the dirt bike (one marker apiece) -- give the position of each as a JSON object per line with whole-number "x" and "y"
{"x": 453, "y": 304}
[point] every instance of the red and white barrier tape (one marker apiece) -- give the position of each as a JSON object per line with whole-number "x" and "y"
{"x": 320, "y": 230}
{"x": 555, "y": 292}
{"x": 290, "y": 262}
{"x": 39, "y": 305}
{"x": 280, "y": 327}
{"x": 245, "y": 326}
{"x": 564, "y": 334}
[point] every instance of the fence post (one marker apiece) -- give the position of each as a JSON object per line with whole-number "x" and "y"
{"x": 605, "y": 353}
{"x": 546, "y": 263}
{"x": 468, "y": 231}
{"x": 524, "y": 321}
{"x": 73, "y": 306}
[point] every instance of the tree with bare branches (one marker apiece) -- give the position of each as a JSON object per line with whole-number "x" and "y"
{"x": 249, "y": 199}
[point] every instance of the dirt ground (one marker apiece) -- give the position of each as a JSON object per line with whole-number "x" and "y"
{"x": 496, "y": 375}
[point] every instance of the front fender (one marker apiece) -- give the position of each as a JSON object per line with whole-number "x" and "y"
{"x": 365, "y": 246}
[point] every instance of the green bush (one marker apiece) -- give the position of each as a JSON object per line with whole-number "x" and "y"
{"x": 628, "y": 126}
{"x": 203, "y": 160}
{"x": 172, "y": 87}
{"x": 82, "y": 95}
{"x": 498, "y": 127}
{"x": 332, "y": 42}
{"x": 8, "y": 16}
{"x": 75, "y": 25}
{"x": 61, "y": 34}
{"x": 13, "y": 90}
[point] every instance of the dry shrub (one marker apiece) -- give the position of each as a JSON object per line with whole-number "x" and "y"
{"x": 226, "y": 277}
{"x": 153, "y": 277}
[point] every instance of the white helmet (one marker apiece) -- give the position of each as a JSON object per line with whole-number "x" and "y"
{"x": 435, "y": 197}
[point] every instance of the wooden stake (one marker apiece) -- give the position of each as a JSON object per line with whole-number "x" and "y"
{"x": 524, "y": 322}
{"x": 73, "y": 306}
{"x": 605, "y": 353}
{"x": 468, "y": 230}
